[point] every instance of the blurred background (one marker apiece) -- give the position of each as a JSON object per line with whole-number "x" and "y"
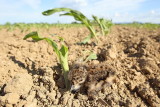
{"x": 120, "y": 11}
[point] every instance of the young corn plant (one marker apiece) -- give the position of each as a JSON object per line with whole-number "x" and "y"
{"x": 62, "y": 53}
{"x": 104, "y": 24}
{"x": 78, "y": 16}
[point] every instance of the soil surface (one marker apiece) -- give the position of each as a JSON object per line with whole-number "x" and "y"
{"x": 31, "y": 77}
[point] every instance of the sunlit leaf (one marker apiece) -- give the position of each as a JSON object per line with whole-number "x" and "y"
{"x": 78, "y": 16}
{"x": 91, "y": 57}
{"x": 86, "y": 39}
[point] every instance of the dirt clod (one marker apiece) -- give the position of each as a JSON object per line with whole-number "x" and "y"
{"x": 10, "y": 98}
{"x": 20, "y": 84}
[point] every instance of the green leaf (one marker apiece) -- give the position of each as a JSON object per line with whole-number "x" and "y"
{"x": 62, "y": 54}
{"x": 100, "y": 23}
{"x": 60, "y": 38}
{"x": 104, "y": 24}
{"x": 33, "y": 35}
{"x": 53, "y": 34}
{"x": 86, "y": 39}
{"x": 78, "y": 16}
{"x": 52, "y": 43}
{"x": 64, "y": 50}
{"x": 36, "y": 37}
{"x": 52, "y": 11}
{"x": 91, "y": 57}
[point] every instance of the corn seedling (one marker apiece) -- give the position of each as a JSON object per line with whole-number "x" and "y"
{"x": 87, "y": 56}
{"x": 62, "y": 53}
{"x": 78, "y": 16}
{"x": 104, "y": 24}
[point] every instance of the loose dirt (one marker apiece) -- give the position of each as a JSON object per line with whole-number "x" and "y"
{"x": 31, "y": 77}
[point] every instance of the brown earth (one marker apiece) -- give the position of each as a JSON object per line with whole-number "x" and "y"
{"x": 30, "y": 75}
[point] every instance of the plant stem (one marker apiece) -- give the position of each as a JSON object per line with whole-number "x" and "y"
{"x": 67, "y": 82}
{"x": 65, "y": 67}
{"x": 93, "y": 33}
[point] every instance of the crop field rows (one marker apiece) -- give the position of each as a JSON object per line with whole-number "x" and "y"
{"x": 30, "y": 74}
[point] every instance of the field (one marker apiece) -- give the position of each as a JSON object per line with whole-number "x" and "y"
{"x": 31, "y": 77}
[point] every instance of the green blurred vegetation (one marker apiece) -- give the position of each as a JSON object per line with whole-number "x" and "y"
{"x": 29, "y": 26}
{"x": 142, "y": 25}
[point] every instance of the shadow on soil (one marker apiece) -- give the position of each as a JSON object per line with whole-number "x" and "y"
{"x": 21, "y": 64}
{"x": 58, "y": 78}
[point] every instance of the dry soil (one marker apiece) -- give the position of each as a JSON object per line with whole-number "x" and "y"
{"x": 31, "y": 77}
